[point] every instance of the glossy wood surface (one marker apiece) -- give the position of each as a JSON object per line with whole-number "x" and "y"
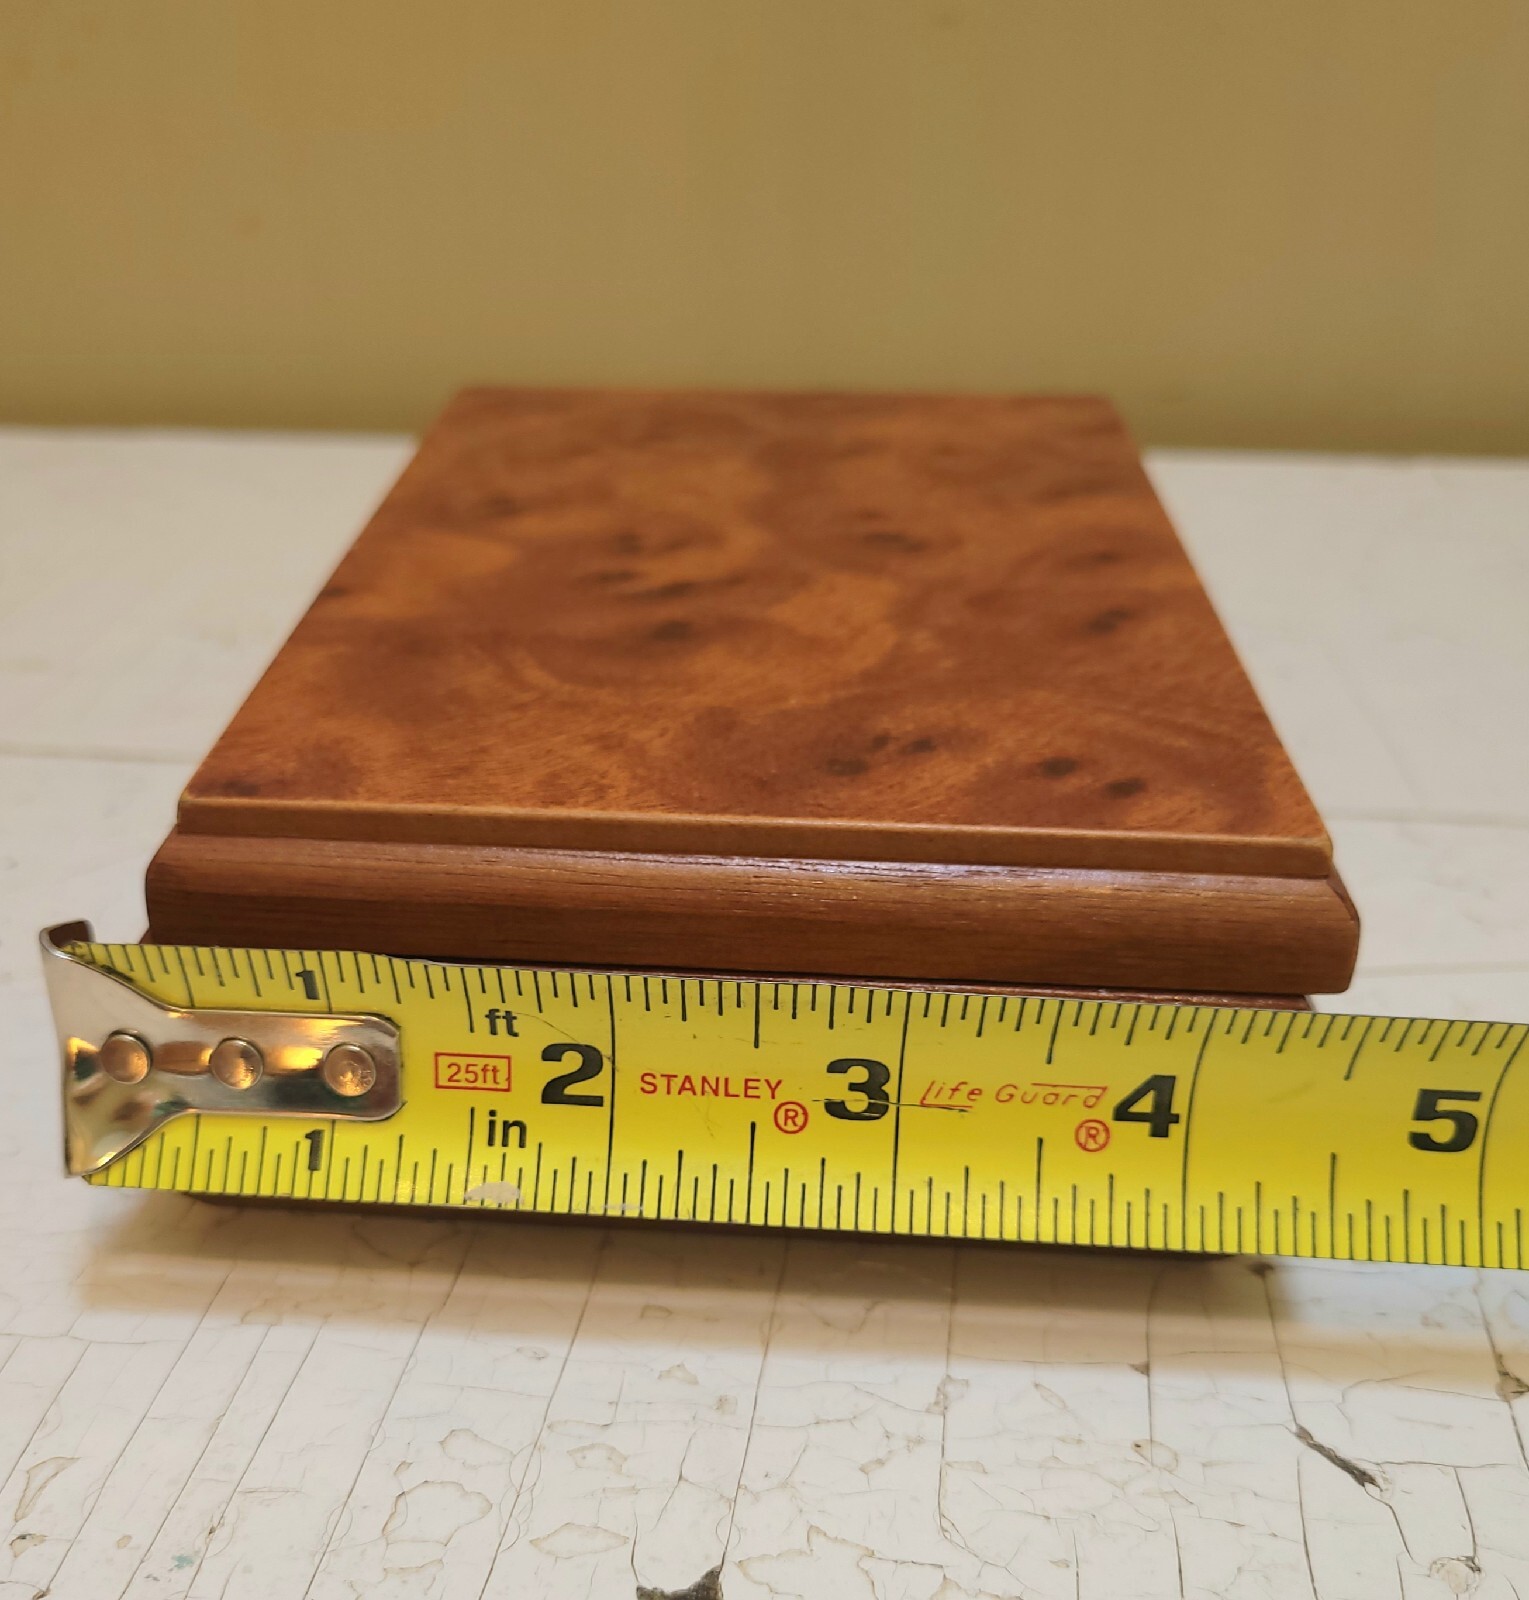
{"x": 872, "y": 628}
{"x": 1014, "y": 925}
{"x": 883, "y": 687}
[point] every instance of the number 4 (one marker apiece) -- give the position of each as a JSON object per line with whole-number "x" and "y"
{"x": 1159, "y": 1115}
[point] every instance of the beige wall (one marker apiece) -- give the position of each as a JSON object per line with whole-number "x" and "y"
{"x": 1272, "y": 222}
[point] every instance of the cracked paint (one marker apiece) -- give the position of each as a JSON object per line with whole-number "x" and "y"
{"x": 707, "y": 1587}
{"x": 1350, "y": 1469}
{"x": 204, "y": 1403}
{"x": 904, "y": 1423}
{"x": 578, "y": 1539}
{"x": 38, "y": 1476}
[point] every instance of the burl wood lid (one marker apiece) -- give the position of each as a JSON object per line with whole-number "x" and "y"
{"x": 872, "y": 628}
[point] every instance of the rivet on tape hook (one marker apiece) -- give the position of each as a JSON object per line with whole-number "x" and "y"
{"x": 130, "y": 1064}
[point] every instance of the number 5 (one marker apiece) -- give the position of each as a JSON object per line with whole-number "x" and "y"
{"x": 1430, "y": 1108}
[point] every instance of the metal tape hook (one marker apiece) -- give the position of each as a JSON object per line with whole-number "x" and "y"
{"x": 130, "y": 1064}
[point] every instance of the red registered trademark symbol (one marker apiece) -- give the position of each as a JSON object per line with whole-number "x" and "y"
{"x": 791, "y": 1116}
{"x": 1092, "y": 1134}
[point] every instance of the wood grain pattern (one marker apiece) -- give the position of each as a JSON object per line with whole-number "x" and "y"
{"x": 707, "y": 669}
{"x": 872, "y": 628}
{"x": 1021, "y": 926}
{"x": 200, "y": 1403}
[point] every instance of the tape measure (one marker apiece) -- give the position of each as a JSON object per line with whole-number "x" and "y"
{"x": 317, "y": 1075}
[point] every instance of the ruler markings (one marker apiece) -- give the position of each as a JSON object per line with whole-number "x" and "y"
{"x": 610, "y": 1115}
{"x": 1189, "y": 1122}
{"x": 1332, "y": 1204}
{"x": 943, "y": 1091}
{"x": 1486, "y": 1130}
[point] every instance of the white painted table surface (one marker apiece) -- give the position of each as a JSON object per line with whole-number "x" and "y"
{"x": 200, "y": 1401}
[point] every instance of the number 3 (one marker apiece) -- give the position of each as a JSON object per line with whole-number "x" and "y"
{"x": 874, "y": 1077}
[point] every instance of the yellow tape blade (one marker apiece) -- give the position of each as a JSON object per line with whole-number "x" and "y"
{"x": 910, "y": 1112}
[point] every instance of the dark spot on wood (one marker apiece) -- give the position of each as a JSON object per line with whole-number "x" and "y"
{"x": 244, "y": 788}
{"x": 893, "y": 539}
{"x": 669, "y": 632}
{"x": 667, "y": 591}
{"x": 628, "y": 544}
{"x": 1077, "y": 484}
{"x": 1124, "y": 788}
{"x": 918, "y": 747}
{"x": 881, "y": 741}
{"x": 1057, "y": 766}
{"x": 1108, "y": 621}
{"x": 499, "y": 505}
{"x": 612, "y": 575}
{"x": 333, "y": 591}
{"x": 845, "y": 766}
{"x": 707, "y": 1587}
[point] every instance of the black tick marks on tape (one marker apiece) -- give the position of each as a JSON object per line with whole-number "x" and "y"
{"x": 707, "y": 1587}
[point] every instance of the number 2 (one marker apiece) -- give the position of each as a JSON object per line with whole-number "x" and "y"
{"x": 590, "y": 1064}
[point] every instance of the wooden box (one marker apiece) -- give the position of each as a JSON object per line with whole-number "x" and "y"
{"x": 899, "y": 687}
